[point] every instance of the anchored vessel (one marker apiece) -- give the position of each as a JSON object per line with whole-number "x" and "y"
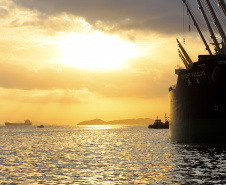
{"x": 26, "y": 123}
{"x": 198, "y": 100}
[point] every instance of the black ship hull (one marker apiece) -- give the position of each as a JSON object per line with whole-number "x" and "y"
{"x": 26, "y": 123}
{"x": 198, "y": 102}
{"x": 159, "y": 127}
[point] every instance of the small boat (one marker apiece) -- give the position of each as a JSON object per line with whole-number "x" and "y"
{"x": 40, "y": 126}
{"x": 158, "y": 124}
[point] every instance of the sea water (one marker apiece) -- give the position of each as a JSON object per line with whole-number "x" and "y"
{"x": 105, "y": 155}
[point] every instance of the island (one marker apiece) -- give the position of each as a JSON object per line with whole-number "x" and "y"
{"x": 140, "y": 121}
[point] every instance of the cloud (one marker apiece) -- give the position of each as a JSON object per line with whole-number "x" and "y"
{"x": 160, "y": 16}
{"x": 117, "y": 83}
{"x": 52, "y": 25}
{"x": 3, "y": 12}
{"x": 28, "y": 66}
{"x": 20, "y": 77}
{"x": 46, "y": 96}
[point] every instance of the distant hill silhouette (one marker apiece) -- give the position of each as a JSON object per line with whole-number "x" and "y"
{"x": 93, "y": 122}
{"x": 140, "y": 121}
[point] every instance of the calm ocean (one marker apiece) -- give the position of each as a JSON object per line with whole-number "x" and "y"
{"x": 105, "y": 155}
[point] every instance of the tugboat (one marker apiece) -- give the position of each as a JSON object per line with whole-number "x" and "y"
{"x": 158, "y": 124}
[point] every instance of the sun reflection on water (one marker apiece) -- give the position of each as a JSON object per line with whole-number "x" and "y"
{"x": 102, "y": 155}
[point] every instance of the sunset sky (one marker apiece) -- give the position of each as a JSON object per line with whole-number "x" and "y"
{"x": 65, "y": 61}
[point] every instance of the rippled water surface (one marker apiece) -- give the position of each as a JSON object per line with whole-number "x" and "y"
{"x": 105, "y": 155}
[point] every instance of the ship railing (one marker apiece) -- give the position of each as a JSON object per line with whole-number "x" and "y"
{"x": 178, "y": 70}
{"x": 172, "y": 87}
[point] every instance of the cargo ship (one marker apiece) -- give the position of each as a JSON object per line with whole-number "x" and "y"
{"x": 26, "y": 123}
{"x": 198, "y": 100}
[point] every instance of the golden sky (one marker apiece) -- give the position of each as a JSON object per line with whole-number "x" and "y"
{"x": 62, "y": 62}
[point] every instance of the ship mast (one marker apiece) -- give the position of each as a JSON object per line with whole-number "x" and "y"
{"x": 222, "y": 5}
{"x": 217, "y": 46}
{"x": 195, "y": 23}
{"x": 217, "y": 23}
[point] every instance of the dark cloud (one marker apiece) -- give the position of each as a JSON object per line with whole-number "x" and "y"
{"x": 19, "y": 77}
{"x": 156, "y": 15}
{"x": 3, "y": 12}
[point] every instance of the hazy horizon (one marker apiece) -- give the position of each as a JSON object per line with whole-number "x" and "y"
{"x": 139, "y": 121}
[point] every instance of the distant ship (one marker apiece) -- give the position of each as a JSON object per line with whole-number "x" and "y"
{"x": 198, "y": 100}
{"x": 26, "y": 123}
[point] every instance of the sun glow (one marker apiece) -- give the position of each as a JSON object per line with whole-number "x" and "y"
{"x": 96, "y": 51}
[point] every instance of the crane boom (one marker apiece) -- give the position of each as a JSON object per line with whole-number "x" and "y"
{"x": 183, "y": 59}
{"x": 217, "y": 46}
{"x": 221, "y": 3}
{"x": 216, "y": 22}
{"x": 185, "y": 54}
{"x": 197, "y": 27}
